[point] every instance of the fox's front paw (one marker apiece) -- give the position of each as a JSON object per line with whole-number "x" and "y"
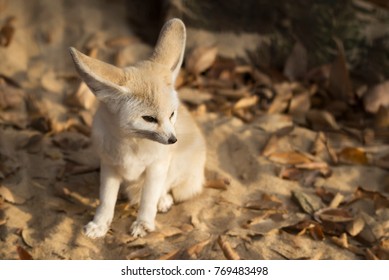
{"x": 94, "y": 230}
{"x": 141, "y": 228}
{"x": 165, "y": 203}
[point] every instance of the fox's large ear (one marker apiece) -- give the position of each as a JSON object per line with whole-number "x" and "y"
{"x": 102, "y": 78}
{"x": 170, "y": 46}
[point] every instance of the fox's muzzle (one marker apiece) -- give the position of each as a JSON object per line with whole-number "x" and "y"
{"x": 172, "y": 140}
{"x": 154, "y": 136}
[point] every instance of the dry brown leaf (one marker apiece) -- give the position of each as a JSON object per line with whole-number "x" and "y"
{"x": 74, "y": 196}
{"x": 380, "y": 201}
{"x": 200, "y": 111}
{"x": 6, "y": 194}
{"x": 227, "y": 250}
{"x": 232, "y": 94}
{"x": 7, "y": 32}
{"x": 313, "y": 228}
{"x": 23, "y": 254}
{"x": 27, "y": 238}
{"x": 181, "y": 79}
{"x": 86, "y": 117}
{"x": 175, "y": 255}
{"x": 195, "y": 250}
{"x": 267, "y": 202}
{"x": 382, "y": 250}
{"x": 296, "y": 63}
{"x": 223, "y": 69}
{"x": 373, "y": 230}
{"x": 332, "y": 153}
{"x": 355, "y": 226}
{"x": 289, "y": 158}
{"x": 322, "y": 149}
{"x": 332, "y": 228}
{"x": 300, "y": 103}
{"x": 139, "y": 254}
{"x": 58, "y": 126}
{"x": 321, "y": 120}
{"x": 336, "y": 201}
{"x": 284, "y": 131}
{"x": 261, "y": 78}
{"x": 268, "y": 225}
{"x": 271, "y": 146}
{"x": 319, "y": 146}
{"x": 220, "y": 184}
{"x": 258, "y": 219}
{"x": 370, "y": 255}
{"x": 200, "y": 59}
{"x": 170, "y": 255}
{"x": 313, "y": 165}
{"x": 274, "y": 123}
{"x": 356, "y": 249}
{"x": 51, "y": 83}
{"x": 216, "y": 84}
{"x": 246, "y": 102}
{"x": 377, "y": 97}
{"x": 352, "y": 155}
{"x": 334, "y": 215}
{"x": 186, "y": 228}
{"x": 339, "y": 81}
{"x": 384, "y": 243}
{"x": 309, "y": 203}
{"x": 291, "y": 173}
{"x": 304, "y": 176}
{"x": 40, "y": 123}
{"x": 324, "y": 194}
{"x": 244, "y": 115}
{"x": 82, "y": 98}
{"x": 281, "y": 100}
{"x": 341, "y": 241}
{"x": 316, "y": 232}
{"x": 170, "y": 231}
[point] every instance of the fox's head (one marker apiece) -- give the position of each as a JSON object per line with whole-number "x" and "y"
{"x": 141, "y": 97}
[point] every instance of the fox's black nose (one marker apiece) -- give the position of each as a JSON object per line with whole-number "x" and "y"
{"x": 172, "y": 140}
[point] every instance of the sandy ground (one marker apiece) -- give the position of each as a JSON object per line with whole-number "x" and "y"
{"x": 50, "y": 177}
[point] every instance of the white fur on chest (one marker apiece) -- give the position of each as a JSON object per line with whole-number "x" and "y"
{"x": 130, "y": 157}
{"x": 134, "y": 160}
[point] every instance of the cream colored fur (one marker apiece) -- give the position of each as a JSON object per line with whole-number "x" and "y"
{"x": 145, "y": 138}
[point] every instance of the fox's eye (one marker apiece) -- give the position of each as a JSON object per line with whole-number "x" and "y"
{"x": 150, "y": 119}
{"x": 171, "y": 116}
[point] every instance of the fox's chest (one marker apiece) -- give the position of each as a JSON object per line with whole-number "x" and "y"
{"x": 135, "y": 160}
{"x": 132, "y": 167}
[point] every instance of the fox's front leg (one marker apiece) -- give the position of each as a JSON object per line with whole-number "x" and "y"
{"x": 109, "y": 188}
{"x": 151, "y": 192}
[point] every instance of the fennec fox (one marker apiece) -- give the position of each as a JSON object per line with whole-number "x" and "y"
{"x": 145, "y": 138}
